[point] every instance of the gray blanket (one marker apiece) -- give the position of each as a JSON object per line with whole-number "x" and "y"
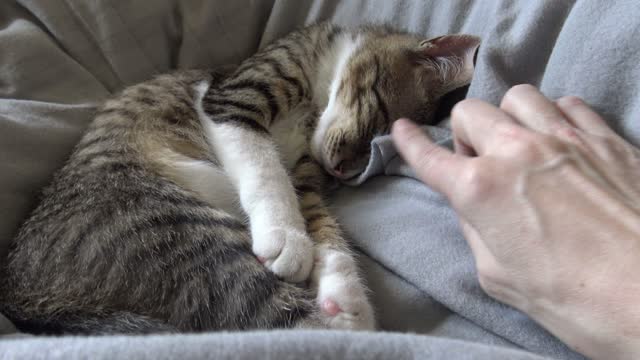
{"x": 60, "y": 58}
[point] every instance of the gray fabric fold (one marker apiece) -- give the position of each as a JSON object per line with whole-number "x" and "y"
{"x": 278, "y": 345}
{"x": 60, "y": 58}
{"x": 384, "y": 158}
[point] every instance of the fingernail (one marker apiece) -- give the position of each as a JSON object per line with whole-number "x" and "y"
{"x": 570, "y": 100}
{"x": 526, "y": 86}
{"x": 403, "y": 125}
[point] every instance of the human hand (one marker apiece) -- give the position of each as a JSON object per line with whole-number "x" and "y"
{"x": 548, "y": 198}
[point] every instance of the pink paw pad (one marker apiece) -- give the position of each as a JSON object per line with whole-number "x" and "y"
{"x": 330, "y": 307}
{"x": 262, "y": 259}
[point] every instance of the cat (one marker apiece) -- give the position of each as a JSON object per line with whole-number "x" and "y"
{"x": 195, "y": 200}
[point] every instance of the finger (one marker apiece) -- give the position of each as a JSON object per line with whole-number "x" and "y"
{"x": 582, "y": 117}
{"x": 481, "y": 128}
{"x": 434, "y": 165}
{"x": 462, "y": 149}
{"x": 532, "y": 109}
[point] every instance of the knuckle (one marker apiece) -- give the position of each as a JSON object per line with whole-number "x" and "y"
{"x": 509, "y": 131}
{"x": 566, "y": 132}
{"x": 526, "y": 148}
{"x": 476, "y": 182}
{"x": 570, "y": 134}
{"x": 538, "y": 147}
{"x": 519, "y": 141}
{"x": 528, "y": 151}
{"x": 462, "y": 108}
{"x": 548, "y": 118}
{"x": 551, "y": 145}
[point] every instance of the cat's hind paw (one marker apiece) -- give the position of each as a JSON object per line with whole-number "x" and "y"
{"x": 342, "y": 297}
{"x": 286, "y": 252}
{"x": 350, "y": 315}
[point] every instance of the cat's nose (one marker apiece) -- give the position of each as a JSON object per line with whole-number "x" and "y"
{"x": 346, "y": 167}
{"x": 338, "y": 170}
{"x": 343, "y": 169}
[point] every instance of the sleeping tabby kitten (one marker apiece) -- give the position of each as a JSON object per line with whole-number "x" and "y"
{"x": 195, "y": 200}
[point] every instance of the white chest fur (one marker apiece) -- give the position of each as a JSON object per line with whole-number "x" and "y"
{"x": 288, "y": 133}
{"x": 216, "y": 186}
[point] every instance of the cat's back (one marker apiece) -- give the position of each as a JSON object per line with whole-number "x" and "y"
{"x": 108, "y": 175}
{"x": 111, "y": 232}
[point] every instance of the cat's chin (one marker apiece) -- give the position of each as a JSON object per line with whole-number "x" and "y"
{"x": 351, "y": 171}
{"x": 337, "y": 182}
{"x": 350, "y": 176}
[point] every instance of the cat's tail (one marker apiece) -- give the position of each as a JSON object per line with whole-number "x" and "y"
{"x": 81, "y": 322}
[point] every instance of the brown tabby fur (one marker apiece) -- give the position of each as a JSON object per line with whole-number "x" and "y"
{"x": 119, "y": 244}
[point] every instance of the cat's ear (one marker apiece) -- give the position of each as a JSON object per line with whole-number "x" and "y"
{"x": 451, "y": 56}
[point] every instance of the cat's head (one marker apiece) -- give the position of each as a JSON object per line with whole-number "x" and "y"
{"x": 379, "y": 79}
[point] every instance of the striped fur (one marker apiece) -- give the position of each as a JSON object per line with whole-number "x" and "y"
{"x": 195, "y": 201}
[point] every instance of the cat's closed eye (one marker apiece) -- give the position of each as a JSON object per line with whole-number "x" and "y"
{"x": 388, "y": 77}
{"x": 196, "y": 199}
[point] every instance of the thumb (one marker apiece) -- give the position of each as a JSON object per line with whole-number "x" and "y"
{"x": 433, "y": 164}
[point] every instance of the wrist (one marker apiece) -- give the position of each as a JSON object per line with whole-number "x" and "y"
{"x": 601, "y": 323}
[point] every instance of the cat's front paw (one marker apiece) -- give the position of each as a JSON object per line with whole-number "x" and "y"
{"x": 286, "y": 252}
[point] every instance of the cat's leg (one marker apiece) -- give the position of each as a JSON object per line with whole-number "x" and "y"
{"x": 251, "y": 160}
{"x": 341, "y": 293}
